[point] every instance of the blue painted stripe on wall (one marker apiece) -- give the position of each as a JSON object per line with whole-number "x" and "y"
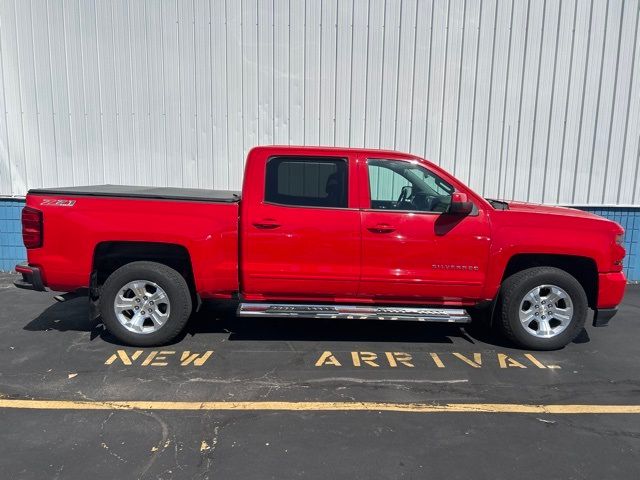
{"x": 629, "y": 218}
{"x": 12, "y": 251}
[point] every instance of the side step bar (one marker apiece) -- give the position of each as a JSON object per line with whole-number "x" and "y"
{"x": 360, "y": 312}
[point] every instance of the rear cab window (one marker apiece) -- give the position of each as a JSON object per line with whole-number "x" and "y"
{"x": 307, "y": 181}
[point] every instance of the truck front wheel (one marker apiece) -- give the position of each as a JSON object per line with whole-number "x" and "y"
{"x": 145, "y": 304}
{"x": 542, "y": 308}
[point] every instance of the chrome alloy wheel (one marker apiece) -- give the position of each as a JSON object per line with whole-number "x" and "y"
{"x": 142, "y": 306}
{"x": 546, "y": 311}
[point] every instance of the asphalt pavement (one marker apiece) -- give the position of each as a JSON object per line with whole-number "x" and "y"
{"x": 284, "y": 398}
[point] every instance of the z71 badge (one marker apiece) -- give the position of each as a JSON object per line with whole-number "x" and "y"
{"x": 58, "y": 203}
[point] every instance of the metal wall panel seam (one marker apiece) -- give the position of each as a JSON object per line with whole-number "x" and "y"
{"x": 413, "y": 75}
{"x": 428, "y": 93}
{"x": 459, "y": 92}
{"x": 566, "y": 105}
{"x": 36, "y": 91}
{"x": 444, "y": 81}
{"x": 521, "y": 95}
{"x": 626, "y": 122}
{"x": 5, "y": 154}
{"x": 613, "y": 99}
{"x": 536, "y": 98}
{"x": 475, "y": 91}
{"x": 19, "y": 110}
{"x": 595, "y": 123}
{"x": 584, "y": 89}
{"x": 504, "y": 102}
{"x": 489, "y": 104}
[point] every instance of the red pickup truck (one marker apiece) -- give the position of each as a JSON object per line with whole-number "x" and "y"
{"x": 325, "y": 233}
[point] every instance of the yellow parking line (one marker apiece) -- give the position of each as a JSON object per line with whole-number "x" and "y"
{"x": 320, "y": 406}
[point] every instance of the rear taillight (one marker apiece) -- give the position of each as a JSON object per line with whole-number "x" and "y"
{"x": 31, "y": 227}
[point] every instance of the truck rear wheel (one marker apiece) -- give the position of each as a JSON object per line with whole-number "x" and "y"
{"x": 542, "y": 308}
{"x": 145, "y": 304}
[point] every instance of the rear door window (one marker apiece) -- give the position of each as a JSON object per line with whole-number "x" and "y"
{"x": 307, "y": 182}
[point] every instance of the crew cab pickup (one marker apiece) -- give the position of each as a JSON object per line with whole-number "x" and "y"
{"x": 325, "y": 233}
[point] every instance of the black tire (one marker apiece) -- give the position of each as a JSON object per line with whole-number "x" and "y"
{"x": 512, "y": 294}
{"x": 175, "y": 287}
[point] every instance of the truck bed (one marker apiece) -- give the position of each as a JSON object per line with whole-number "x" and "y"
{"x": 127, "y": 191}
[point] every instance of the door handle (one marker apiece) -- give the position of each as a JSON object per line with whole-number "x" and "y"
{"x": 266, "y": 224}
{"x": 381, "y": 228}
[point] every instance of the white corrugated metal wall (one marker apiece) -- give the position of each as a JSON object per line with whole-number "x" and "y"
{"x": 530, "y": 99}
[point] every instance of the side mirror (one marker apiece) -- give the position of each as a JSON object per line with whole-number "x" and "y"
{"x": 460, "y": 204}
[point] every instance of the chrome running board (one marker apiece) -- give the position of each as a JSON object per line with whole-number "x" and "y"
{"x": 359, "y": 312}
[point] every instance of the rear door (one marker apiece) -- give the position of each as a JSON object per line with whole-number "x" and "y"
{"x": 300, "y": 230}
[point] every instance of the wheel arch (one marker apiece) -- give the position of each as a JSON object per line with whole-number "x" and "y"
{"x": 108, "y": 256}
{"x": 583, "y": 269}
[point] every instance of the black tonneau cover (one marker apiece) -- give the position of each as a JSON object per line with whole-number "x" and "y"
{"x": 126, "y": 191}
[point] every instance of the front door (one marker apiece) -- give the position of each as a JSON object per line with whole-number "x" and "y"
{"x": 301, "y": 239}
{"x": 413, "y": 250}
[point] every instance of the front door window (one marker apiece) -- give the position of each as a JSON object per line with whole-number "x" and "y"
{"x": 407, "y": 186}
